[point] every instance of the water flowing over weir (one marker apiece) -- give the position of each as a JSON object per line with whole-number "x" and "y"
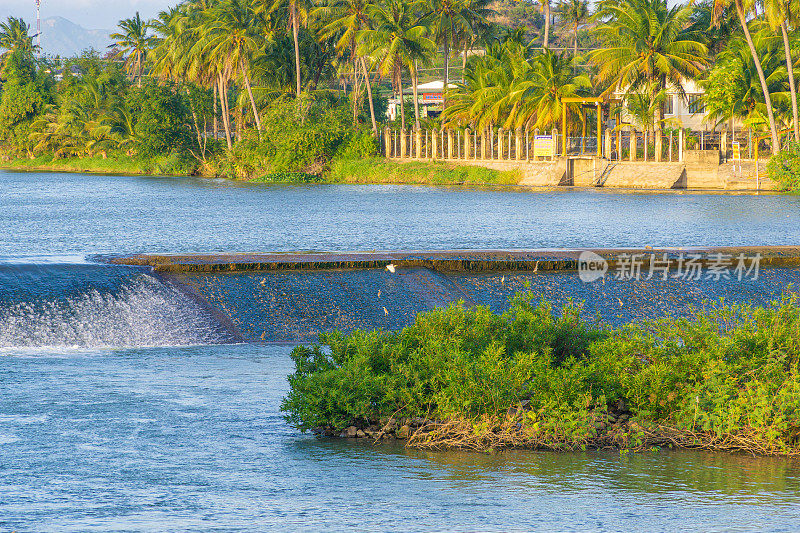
{"x": 90, "y": 306}
{"x": 294, "y": 297}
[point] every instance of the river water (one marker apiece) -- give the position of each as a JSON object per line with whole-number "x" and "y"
{"x": 122, "y": 408}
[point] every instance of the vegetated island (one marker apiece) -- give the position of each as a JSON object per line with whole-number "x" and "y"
{"x": 725, "y": 378}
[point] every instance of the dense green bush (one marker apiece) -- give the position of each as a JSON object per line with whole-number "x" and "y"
{"x": 726, "y": 371}
{"x": 784, "y": 168}
{"x": 162, "y": 120}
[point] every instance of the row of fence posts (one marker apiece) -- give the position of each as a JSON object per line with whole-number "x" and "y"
{"x": 499, "y": 144}
{"x": 490, "y": 144}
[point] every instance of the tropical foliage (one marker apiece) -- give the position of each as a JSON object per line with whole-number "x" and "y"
{"x": 229, "y": 64}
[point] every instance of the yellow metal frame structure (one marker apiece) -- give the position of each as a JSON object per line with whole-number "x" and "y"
{"x": 581, "y": 100}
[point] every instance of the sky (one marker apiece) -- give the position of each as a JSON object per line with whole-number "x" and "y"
{"x": 91, "y": 14}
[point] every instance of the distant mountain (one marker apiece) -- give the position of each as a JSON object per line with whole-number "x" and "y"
{"x": 66, "y": 39}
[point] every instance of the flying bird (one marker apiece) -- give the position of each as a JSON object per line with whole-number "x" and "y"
{"x": 390, "y": 268}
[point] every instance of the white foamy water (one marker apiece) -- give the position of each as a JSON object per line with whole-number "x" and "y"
{"x": 143, "y": 312}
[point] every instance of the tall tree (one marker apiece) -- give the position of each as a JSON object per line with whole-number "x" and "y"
{"x": 293, "y": 11}
{"x": 646, "y": 44}
{"x": 15, "y": 35}
{"x": 741, "y": 12}
{"x": 345, "y": 18}
{"x": 573, "y": 13}
{"x": 133, "y": 42}
{"x": 397, "y": 41}
{"x": 545, "y": 4}
{"x": 785, "y": 14}
{"x": 232, "y": 38}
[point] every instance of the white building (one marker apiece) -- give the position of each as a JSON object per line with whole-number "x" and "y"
{"x": 680, "y": 111}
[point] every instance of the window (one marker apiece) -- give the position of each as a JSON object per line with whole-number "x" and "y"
{"x": 696, "y": 104}
{"x": 667, "y": 105}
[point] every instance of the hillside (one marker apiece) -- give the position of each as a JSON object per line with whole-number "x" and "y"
{"x": 64, "y": 38}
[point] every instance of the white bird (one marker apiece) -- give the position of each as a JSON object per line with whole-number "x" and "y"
{"x": 263, "y": 282}
{"x": 620, "y": 302}
{"x": 379, "y": 294}
{"x": 385, "y": 311}
{"x": 390, "y": 268}
{"x": 536, "y": 267}
{"x": 503, "y": 280}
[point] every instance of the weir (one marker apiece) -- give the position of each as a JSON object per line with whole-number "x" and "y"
{"x": 292, "y": 297}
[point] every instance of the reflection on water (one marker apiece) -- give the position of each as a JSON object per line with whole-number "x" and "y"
{"x": 191, "y": 439}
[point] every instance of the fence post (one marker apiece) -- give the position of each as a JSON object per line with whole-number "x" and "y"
{"x": 632, "y": 155}
{"x": 387, "y": 142}
{"x": 723, "y": 145}
{"x": 500, "y": 147}
{"x": 467, "y": 133}
{"x": 607, "y": 144}
{"x": 418, "y": 138}
{"x": 449, "y": 144}
{"x": 554, "y": 137}
{"x": 659, "y": 145}
{"x": 681, "y": 142}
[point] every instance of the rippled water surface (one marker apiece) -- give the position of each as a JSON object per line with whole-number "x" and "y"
{"x": 56, "y": 214}
{"x": 122, "y": 408}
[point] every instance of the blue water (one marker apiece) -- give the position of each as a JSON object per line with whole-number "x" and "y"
{"x": 123, "y": 406}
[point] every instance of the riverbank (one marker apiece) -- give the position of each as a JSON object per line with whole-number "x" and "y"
{"x": 725, "y": 379}
{"x": 371, "y": 170}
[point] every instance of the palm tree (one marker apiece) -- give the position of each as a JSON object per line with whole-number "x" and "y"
{"x": 133, "y": 42}
{"x": 294, "y": 10}
{"x": 231, "y": 39}
{"x": 783, "y": 14}
{"x": 14, "y": 35}
{"x": 345, "y": 18}
{"x": 741, "y": 12}
{"x": 545, "y": 6}
{"x": 397, "y": 40}
{"x": 448, "y": 20}
{"x": 573, "y": 13}
{"x": 647, "y": 44}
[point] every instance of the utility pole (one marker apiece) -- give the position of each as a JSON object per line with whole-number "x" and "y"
{"x": 39, "y": 23}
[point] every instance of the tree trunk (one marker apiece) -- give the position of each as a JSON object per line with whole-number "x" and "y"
{"x": 216, "y": 125}
{"x": 546, "y": 7}
{"x": 252, "y": 100}
{"x": 196, "y": 123}
{"x": 792, "y": 88}
{"x": 446, "y": 74}
{"x": 224, "y": 108}
{"x": 464, "y": 62}
{"x": 369, "y": 95}
{"x": 575, "y": 54}
{"x": 296, "y": 33}
{"x": 767, "y": 99}
{"x": 356, "y": 90}
{"x": 416, "y": 97}
{"x": 402, "y": 104}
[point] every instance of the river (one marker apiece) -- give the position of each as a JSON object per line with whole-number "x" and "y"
{"x": 121, "y": 411}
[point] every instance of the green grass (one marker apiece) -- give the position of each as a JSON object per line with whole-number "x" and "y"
{"x": 114, "y": 163}
{"x": 379, "y": 170}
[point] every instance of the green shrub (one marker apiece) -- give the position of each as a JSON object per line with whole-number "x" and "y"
{"x": 727, "y": 376}
{"x": 784, "y": 168}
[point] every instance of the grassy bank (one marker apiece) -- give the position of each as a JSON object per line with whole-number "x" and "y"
{"x": 380, "y": 170}
{"x": 726, "y": 379}
{"x": 371, "y": 170}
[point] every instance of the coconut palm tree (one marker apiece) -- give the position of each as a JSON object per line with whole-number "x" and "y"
{"x": 572, "y": 14}
{"x": 646, "y": 44}
{"x": 397, "y": 40}
{"x": 545, "y": 7}
{"x": 785, "y": 14}
{"x": 344, "y": 19}
{"x": 293, "y": 11}
{"x": 742, "y": 9}
{"x": 232, "y": 38}
{"x": 14, "y": 35}
{"x": 133, "y": 42}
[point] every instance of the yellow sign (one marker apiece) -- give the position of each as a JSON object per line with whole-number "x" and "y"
{"x": 737, "y": 152}
{"x": 543, "y": 146}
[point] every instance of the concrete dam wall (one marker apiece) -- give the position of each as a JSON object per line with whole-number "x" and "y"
{"x": 294, "y": 297}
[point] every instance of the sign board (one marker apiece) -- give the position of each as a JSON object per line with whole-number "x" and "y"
{"x": 432, "y": 98}
{"x": 737, "y": 151}
{"x": 543, "y": 146}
